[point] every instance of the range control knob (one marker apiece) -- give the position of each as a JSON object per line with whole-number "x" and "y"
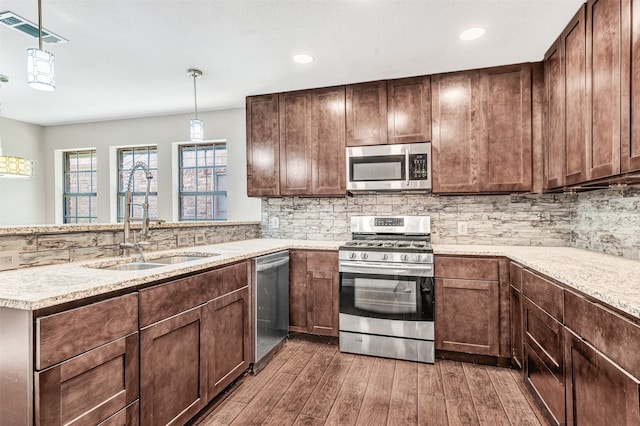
{"x": 385, "y": 256}
{"x": 352, "y": 255}
{"x": 404, "y": 257}
{"x": 417, "y": 258}
{"x": 364, "y": 255}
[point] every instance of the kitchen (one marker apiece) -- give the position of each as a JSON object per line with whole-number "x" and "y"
{"x": 491, "y": 222}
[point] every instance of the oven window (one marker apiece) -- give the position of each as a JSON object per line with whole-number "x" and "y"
{"x": 377, "y": 168}
{"x": 387, "y": 296}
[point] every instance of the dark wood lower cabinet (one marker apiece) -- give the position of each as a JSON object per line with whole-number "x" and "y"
{"x": 90, "y": 387}
{"x": 228, "y": 341}
{"x": 517, "y": 349}
{"x": 598, "y": 392}
{"x": 545, "y": 386}
{"x": 314, "y": 284}
{"x": 172, "y": 361}
{"x": 467, "y": 316}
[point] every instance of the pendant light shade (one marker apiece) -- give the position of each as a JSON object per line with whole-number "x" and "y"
{"x": 196, "y": 125}
{"x": 40, "y": 70}
{"x": 40, "y": 63}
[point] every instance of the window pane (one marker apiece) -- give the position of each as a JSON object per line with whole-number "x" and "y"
{"x": 188, "y": 155}
{"x": 71, "y": 162}
{"x": 83, "y": 207}
{"x": 205, "y": 180}
{"x": 221, "y": 182}
{"x": 221, "y": 156}
{"x": 70, "y": 182}
{"x": 220, "y": 207}
{"x": 188, "y": 207}
{"x": 85, "y": 180}
{"x": 188, "y": 180}
{"x": 126, "y": 159}
{"x": 204, "y": 207}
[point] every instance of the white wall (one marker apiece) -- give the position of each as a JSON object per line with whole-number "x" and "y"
{"x": 22, "y": 201}
{"x": 162, "y": 131}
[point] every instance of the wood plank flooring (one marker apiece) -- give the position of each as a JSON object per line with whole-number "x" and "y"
{"x": 310, "y": 383}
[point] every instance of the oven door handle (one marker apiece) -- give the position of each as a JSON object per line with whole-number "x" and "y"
{"x": 381, "y": 268}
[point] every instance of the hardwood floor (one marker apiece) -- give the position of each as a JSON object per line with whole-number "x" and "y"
{"x": 310, "y": 383}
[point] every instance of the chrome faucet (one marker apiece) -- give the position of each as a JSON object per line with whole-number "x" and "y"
{"x": 127, "y": 245}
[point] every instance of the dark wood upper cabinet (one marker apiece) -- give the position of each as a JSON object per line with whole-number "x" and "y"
{"x": 328, "y": 141}
{"x": 553, "y": 118}
{"x": 605, "y": 97}
{"x": 630, "y": 148}
{"x": 505, "y": 146}
{"x": 409, "y": 110}
{"x": 295, "y": 143}
{"x": 312, "y": 142}
{"x": 455, "y": 140}
{"x": 366, "y": 108}
{"x": 263, "y": 146}
{"x": 574, "y": 64}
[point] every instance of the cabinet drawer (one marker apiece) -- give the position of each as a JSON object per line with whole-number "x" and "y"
{"x": 322, "y": 261}
{"x": 70, "y": 333}
{"x": 128, "y": 416}
{"x": 544, "y": 335}
{"x": 515, "y": 276}
{"x": 543, "y": 293}
{"x": 90, "y": 387}
{"x": 469, "y": 268}
{"x": 544, "y": 385}
{"x": 610, "y": 333}
{"x": 165, "y": 300}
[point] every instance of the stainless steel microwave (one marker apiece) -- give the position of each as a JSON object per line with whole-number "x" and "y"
{"x": 401, "y": 167}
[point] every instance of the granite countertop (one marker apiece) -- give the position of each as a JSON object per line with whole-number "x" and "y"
{"x": 614, "y": 280}
{"x": 44, "y": 286}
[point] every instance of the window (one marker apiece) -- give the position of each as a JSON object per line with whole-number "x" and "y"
{"x": 203, "y": 182}
{"x": 80, "y": 199}
{"x": 127, "y": 158}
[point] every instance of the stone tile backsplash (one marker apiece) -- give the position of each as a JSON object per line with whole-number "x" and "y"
{"x": 51, "y": 248}
{"x": 608, "y": 221}
{"x": 491, "y": 219}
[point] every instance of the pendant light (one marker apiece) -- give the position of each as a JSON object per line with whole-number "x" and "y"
{"x": 13, "y": 166}
{"x": 197, "y": 126}
{"x": 40, "y": 63}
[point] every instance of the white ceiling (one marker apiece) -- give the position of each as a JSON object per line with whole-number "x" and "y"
{"x": 128, "y": 58}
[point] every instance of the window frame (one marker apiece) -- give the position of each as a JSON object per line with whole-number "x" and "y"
{"x": 214, "y": 193}
{"x": 122, "y": 191}
{"x": 67, "y": 195}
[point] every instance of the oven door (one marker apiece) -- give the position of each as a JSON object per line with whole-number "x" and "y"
{"x": 387, "y": 296}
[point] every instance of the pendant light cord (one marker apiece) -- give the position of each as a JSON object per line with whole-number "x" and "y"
{"x": 195, "y": 95}
{"x": 40, "y": 24}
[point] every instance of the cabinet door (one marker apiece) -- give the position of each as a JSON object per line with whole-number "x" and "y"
{"x": 574, "y": 66}
{"x": 467, "y": 316}
{"x": 173, "y": 386}
{"x": 263, "y": 146}
{"x": 554, "y": 129}
{"x": 409, "y": 110}
{"x": 298, "y": 291}
{"x": 544, "y": 334}
{"x": 598, "y": 392}
{"x": 228, "y": 339}
{"x": 128, "y": 416}
{"x": 630, "y": 155}
{"x": 455, "y": 138}
{"x": 604, "y": 87}
{"x": 545, "y": 386}
{"x": 90, "y": 387}
{"x": 295, "y": 143}
{"x": 322, "y": 302}
{"x": 367, "y": 114}
{"x": 328, "y": 141}
{"x": 505, "y": 148}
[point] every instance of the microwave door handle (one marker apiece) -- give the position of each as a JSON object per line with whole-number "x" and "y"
{"x": 406, "y": 165}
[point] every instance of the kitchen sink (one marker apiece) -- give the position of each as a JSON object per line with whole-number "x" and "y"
{"x": 170, "y": 260}
{"x": 132, "y": 266}
{"x": 156, "y": 263}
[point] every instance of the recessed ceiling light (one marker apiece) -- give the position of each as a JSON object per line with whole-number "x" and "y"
{"x": 303, "y": 58}
{"x": 472, "y": 34}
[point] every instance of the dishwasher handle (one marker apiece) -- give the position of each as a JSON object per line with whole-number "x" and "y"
{"x": 264, "y": 266}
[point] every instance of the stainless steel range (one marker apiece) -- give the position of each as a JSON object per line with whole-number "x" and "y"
{"x": 386, "y": 288}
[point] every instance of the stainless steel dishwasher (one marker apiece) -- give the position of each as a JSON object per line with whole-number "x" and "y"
{"x": 270, "y": 304}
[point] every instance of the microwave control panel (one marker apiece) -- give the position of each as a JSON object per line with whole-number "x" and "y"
{"x": 417, "y": 166}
